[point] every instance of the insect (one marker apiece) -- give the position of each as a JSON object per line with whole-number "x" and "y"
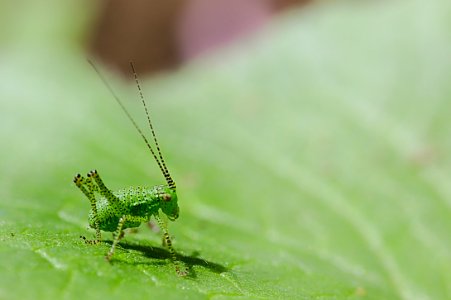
{"x": 128, "y": 208}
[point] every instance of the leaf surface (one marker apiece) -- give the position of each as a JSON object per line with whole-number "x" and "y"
{"x": 311, "y": 163}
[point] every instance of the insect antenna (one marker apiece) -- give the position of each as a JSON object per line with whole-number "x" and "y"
{"x": 163, "y": 170}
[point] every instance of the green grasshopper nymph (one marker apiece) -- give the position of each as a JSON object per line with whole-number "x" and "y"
{"x": 128, "y": 208}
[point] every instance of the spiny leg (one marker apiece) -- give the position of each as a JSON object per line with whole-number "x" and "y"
{"x": 119, "y": 234}
{"x": 80, "y": 181}
{"x": 102, "y": 189}
{"x": 179, "y": 268}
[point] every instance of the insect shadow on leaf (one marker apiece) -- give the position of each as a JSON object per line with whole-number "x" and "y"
{"x": 163, "y": 254}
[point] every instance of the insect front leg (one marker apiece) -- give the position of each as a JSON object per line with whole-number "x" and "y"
{"x": 81, "y": 182}
{"x": 119, "y": 234}
{"x": 179, "y": 268}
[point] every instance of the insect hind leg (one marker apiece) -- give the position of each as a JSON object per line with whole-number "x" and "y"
{"x": 101, "y": 188}
{"x": 88, "y": 188}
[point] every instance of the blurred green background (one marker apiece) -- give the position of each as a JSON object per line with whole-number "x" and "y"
{"x": 312, "y": 161}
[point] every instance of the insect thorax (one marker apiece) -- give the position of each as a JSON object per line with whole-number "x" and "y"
{"x": 134, "y": 201}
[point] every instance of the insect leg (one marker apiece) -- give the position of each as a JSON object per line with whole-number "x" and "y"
{"x": 102, "y": 189}
{"x": 80, "y": 182}
{"x": 179, "y": 268}
{"x": 119, "y": 234}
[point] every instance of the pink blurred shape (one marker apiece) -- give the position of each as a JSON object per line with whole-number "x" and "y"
{"x": 208, "y": 24}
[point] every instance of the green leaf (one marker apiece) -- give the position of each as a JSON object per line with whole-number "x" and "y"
{"x": 312, "y": 162}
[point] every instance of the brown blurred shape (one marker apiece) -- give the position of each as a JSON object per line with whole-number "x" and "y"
{"x": 146, "y": 32}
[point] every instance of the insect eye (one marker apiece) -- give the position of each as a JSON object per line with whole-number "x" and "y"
{"x": 166, "y": 197}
